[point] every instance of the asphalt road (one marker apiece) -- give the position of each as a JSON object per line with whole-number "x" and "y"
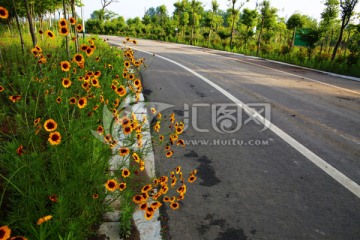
{"x": 258, "y": 186}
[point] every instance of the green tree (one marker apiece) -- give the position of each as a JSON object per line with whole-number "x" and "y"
{"x": 310, "y": 38}
{"x": 295, "y": 21}
{"x": 347, "y": 10}
{"x": 268, "y": 18}
{"x": 249, "y": 19}
{"x": 234, "y": 17}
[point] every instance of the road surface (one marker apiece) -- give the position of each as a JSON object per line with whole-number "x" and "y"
{"x": 298, "y": 179}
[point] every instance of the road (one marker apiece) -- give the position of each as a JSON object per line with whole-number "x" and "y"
{"x": 297, "y": 179}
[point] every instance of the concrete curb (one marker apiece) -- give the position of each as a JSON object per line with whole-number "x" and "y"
{"x": 148, "y": 229}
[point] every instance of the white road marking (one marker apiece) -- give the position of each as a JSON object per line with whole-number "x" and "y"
{"x": 315, "y": 159}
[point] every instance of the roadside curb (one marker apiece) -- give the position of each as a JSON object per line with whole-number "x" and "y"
{"x": 148, "y": 229}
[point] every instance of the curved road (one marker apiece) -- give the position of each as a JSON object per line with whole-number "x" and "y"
{"x": 297, "y": 179}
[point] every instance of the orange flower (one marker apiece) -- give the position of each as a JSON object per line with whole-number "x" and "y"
{"x": 174, "y": 205}
{"x": 64, "y": 31}
{"x": 146, "y": 188}
{"x": 62, "y": 22}
{"x": 125, "y": 173}
{"x": 82, "y": 102}
{"x": 122, "y": 186}
{"x": 100, "y": 130}
{"x": 72, "y": 21}
{"x": 50, "y": 34}
{"x": 143, "y": 206}
{"x": 4, "y": 13}
{"x": 89, "y": 51}
{"x": 2, "y": 88}
{"x": 137, "y": 83}
{"x": 44, "y": 219}
{"x": 37, "y": 121}
{"x": 138, "y": 199}
{"x": 66, "y": 82}
{"x": 148, "y": 215}
{"x": 111, "y": 185}
{"x": 72, "y": 100}
{"x": 5, "y": 231}
{"x": 54, "y": 138}
{"x": 121, "y": 91}
{"x": 78, "y": 58}
{"x": 50, "y": 125}
{"x": 95, "y": 196}
{"x": 169, "y": 154}
{"x": 65, "y": 66}
{"x": 83, "y": 47}
{"x": 136, "y": 157}
{"x": 191, "y": 179}
{"x": 15, "y": 98}
{"x": 124, "y": 151}
{"x": 79, "y": 27}
{"x": 20, "y": 150}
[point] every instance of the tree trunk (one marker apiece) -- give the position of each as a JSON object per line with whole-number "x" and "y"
{"x": 33, "y": 37}
{"x": 338, "y": 41}
{"x": 19, "y": 29}
{"x": 75, "y": 30}
{"x": 259, "y": 38}
{"x": 232, "y": 31}
{"x": 67, "y": 37}
{"x": 330, "y": 40}
{"x": 293, "y": 38}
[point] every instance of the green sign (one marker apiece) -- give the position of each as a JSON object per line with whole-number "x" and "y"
{"x": 298, "y": 41}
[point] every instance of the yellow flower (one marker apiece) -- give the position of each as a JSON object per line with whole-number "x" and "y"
{"x": 65, "y": 66}
{"x": 64, "y": 31}
{"x": 111, "y": 185}
{"x": 54, "y": 138}
{"x": 124, "y": 151}
{"x": 5, "y": 231}
{"x": 72, "y": 21}
{"x": 79, "y": 27}
{"x": 122, "y": 186}
{"x": 4, "y": 13}
{"x": 62, "y": 23}
{"x": 50, "y": 125}
{"x": 66, "y": 82}
{"x": 50, "y": 34}
{"x": 44, "y": 219}
{"x": 191, "y": 179}
{"x": 125, "y": 173}
{"x": 1, "y": 88}
{"x": 82, "y": 102}
{"x": 174, "y": 205}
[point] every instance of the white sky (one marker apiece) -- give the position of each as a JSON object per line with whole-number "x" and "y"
{"x": 136, "y": 8}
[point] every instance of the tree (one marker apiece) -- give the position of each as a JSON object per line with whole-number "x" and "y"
{"x": 196, "y": 10}
{"x": 214, "y": 8}
{"x": 104, "y": 4}
{"x": 329, "y": 17}
{"x": 268, "y": 17}
{"x": 310, "y": 38}
{"x": 347, "y": 9}
{"x": 295, "y": 21}
{"x": 234, "y": 17}
{"x": 249, "y": 19}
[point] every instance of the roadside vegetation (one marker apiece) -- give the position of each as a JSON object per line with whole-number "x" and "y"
{"x": 57, "y": 89}
{"x": 333, "y": 44}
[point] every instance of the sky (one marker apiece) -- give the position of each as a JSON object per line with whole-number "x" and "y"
{"x": 137, "y": 8}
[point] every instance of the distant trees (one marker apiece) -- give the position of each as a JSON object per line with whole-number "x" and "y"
{"x": 254, "y": 31}
{"x": 347, "y": 10}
